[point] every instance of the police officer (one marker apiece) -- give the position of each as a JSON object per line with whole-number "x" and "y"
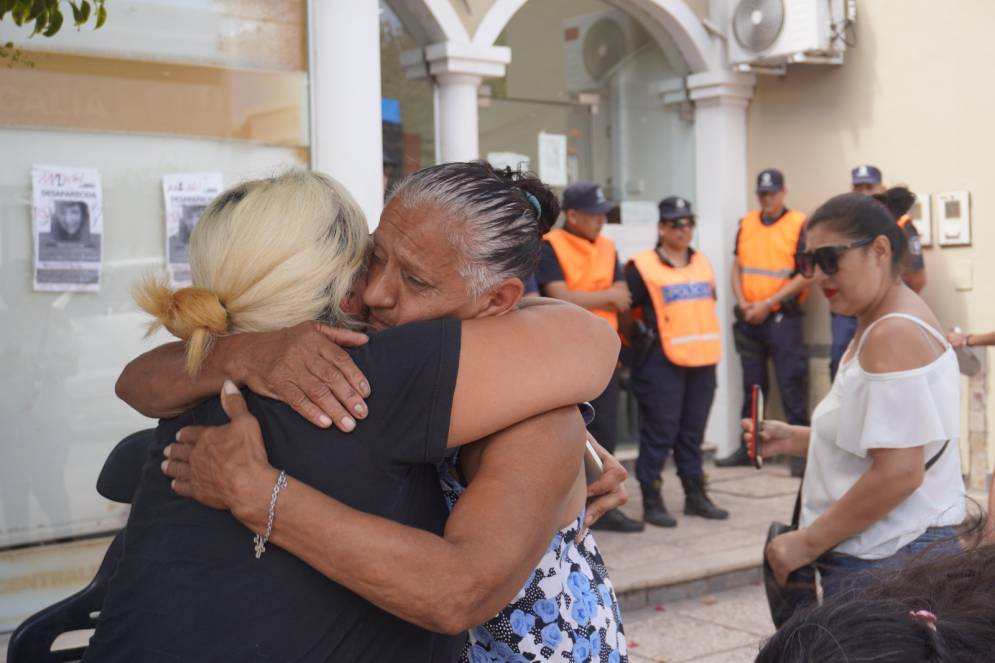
{"x": 674, "y": 345}
{"x": 580, "y": 265}
{"x": 867, "y": 179}
{"x": 769, "y": 292}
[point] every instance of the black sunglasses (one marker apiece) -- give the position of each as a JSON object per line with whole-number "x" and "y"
{"x": 826, "y": 257}
{"x": 677, "y": 224}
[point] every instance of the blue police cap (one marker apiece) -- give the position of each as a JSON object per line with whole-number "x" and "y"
{"x": 675, "y": 207}
{"x": 586, "y": 197}
{"x": 865, "y": 175}
{"x": 770, "y": 179}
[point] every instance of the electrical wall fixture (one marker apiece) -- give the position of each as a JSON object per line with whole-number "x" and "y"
{"x": 953, "y": 218}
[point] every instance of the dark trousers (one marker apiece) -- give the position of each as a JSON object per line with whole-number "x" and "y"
{"x": 843, "y": 328}
{"x": 778, "y": 338}
{"x": 674, "y": 402}
{"x": 604, "y": 428}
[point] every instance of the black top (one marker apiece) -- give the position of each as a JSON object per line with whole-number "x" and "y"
{"x": 189, "y": 587}
{"x": 549, "y": 269}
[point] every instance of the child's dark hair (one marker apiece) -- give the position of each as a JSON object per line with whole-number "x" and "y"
{"x": 941, "y": 610}
{"x": 857, "y": 216}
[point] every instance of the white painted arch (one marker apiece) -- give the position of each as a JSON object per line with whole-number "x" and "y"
{"x": 674, "y": 16}
{"x": 430, "y": 21}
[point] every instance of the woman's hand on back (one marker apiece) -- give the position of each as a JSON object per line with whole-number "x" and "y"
{"x": 306, "y": 368}
{"x": 224, "y": 467}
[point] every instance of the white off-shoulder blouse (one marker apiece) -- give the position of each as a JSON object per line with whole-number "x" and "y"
{"x": 863, "y": 411}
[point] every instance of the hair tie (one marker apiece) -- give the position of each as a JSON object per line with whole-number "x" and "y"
{"x": 535, "y": 203}
{"x": 924, "y": 616}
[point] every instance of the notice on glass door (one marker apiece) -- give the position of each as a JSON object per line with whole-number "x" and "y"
{"x": 187, "y": 195}
{"x": 553, "y": 159}
{"x": 67, "y": 224}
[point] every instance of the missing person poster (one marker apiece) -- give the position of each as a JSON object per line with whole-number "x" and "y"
{"x": 67, "y": 221}
{"x": 186, "y": 195}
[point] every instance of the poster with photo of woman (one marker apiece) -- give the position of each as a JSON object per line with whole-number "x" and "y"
{"x": 67, "y": 219}
{"x": 186, "y": 197}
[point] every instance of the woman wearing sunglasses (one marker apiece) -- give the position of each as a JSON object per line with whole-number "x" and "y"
{"x": 673, "y": 376}
{"x": 883, "y": 477}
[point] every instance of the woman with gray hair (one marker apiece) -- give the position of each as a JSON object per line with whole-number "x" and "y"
{"x": 455, "y": 241}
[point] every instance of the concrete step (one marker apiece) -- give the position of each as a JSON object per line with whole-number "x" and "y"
{"x": 698, "y": 557}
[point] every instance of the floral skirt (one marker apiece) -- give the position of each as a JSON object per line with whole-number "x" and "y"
{"x": 567, "y": 611}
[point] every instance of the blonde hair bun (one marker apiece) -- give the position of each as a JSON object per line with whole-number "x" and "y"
{"x": 194, "y": 315}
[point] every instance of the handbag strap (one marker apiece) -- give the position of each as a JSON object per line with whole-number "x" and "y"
{"x": 932, "y": 461}
{"x": 797, "y": 512}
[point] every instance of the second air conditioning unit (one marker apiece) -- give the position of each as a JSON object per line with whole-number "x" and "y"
{"x": 594, "y": 46}
{"x": 778, "y": 32}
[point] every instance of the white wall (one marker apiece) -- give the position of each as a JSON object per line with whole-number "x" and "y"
{"x": 912, "y": 98}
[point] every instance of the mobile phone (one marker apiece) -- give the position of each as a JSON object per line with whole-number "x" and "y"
{"x": 757, "y": 415}
{"x": 593, "y": 467}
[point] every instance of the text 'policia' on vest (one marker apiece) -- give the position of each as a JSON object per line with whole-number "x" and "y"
{"x": 684, "y": 302}
{"x": 767, "y": 254}
{"x": 587, "y": 266}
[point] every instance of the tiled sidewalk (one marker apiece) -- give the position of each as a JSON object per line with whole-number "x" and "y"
{"x": 726, "y": 627}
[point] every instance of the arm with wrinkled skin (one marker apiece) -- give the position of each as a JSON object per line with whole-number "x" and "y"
{"x": 445, "y": 584}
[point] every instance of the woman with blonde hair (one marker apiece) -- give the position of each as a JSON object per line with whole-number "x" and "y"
{"x": 276, "y": 253}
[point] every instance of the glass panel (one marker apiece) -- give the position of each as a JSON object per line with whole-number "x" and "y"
{"x": 198, "y": 86}
{"x": 593, "y": 78}
{"x": 408, "y": 119}
{"x": 591, "y": 72}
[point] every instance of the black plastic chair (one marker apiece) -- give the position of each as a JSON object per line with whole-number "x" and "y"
{"x": 32, "y": 641}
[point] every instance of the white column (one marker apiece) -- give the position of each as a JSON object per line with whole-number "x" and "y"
{"x": 458, "y": 70}
{"x": 720, "y": 100}
{"x": 346, "y": 124}
{"x": 459, "y": 133}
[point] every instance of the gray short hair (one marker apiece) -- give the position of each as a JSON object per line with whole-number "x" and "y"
{"x": 496, "y": 219}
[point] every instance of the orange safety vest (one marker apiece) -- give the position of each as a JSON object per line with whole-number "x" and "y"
{"x": 904, "y": 220}
{"x": 587, "y": 266}
{"x": 767, "y": 254}
{"x": 684, "y": 302}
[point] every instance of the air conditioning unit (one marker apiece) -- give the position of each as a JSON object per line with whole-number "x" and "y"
{"x": 773, "y": 33}
{"x": 595, "y": 45}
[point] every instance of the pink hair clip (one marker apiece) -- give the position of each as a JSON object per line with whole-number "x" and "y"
{"x": 924, "y": 616}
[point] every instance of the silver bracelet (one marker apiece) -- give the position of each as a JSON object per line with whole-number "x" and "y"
{"x": 261, "y": 540}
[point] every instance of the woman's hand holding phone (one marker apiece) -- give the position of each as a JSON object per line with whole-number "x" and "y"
{"x": 776, "y": 438}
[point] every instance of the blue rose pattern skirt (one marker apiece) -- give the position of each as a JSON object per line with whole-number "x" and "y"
{"x": 567, "y": 610}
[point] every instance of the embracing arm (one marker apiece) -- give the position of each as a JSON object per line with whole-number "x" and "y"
{"x": 302, "y": 366}
{"x": 493, "y": 539}
{"x": 536, "y": 359}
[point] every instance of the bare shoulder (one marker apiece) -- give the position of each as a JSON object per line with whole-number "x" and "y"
{"x": 899, "y": 344}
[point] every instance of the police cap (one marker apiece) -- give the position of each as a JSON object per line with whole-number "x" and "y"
{"x": 770, "y": 179}
{"x": 675, "y": 207}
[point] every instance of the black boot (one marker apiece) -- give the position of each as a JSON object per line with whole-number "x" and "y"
{"x": 616, "y": 521}
{"x": 696, "y": 501}
{"x": 735, "y": 459}
{"x": 654, "y": 510}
